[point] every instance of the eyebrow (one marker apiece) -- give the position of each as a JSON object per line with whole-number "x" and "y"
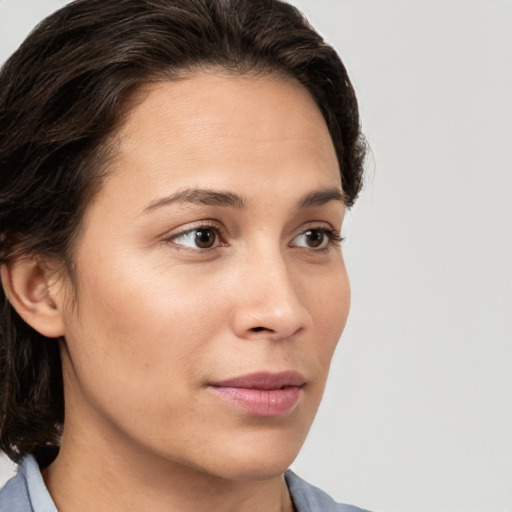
{"x": 231, "y": 200}
{"x": 201, "y": 197}
{"x": 320, "y": 197}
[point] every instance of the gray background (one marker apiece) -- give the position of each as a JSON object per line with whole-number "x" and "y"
{"x": 418, "y": 412}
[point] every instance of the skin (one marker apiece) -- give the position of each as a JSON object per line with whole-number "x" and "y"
{"x": 156, "y": 318}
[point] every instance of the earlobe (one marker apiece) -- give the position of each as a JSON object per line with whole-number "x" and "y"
{"x": 29, "y": 290}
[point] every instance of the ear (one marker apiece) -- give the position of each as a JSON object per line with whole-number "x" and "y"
{"x": 32, "y": 291}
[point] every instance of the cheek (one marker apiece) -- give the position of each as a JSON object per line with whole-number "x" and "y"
{"x": 329, "y": 303}
{"x": 137, "y": 362}
{"x": 134, "y": 332}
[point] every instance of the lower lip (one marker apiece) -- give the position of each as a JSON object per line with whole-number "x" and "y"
{"x": 261, "y": 402}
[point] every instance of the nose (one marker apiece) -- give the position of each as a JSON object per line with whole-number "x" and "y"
{"x": 268, "y": 300}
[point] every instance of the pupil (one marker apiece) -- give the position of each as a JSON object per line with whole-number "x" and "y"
{"x": 315, "y": 237}
{"x": 205, "y": 238}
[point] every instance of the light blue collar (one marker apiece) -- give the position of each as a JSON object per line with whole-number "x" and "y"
{"x": 40, "y": 498}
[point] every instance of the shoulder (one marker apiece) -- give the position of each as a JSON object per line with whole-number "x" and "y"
{"x": 26, "y": 492}
{"x": 308, "y": 498}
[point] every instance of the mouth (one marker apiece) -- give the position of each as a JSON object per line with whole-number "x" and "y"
{"x": 262, "y": 394}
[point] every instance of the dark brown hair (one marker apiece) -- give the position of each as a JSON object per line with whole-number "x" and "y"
{"x": 66, "y": 90}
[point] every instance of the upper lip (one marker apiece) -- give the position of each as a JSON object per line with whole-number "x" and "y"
{"x": 263, "y": 380}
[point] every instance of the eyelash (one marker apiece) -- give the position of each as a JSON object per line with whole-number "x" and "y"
{"x": 333, "y": 238}
{"x": 190, "y": 229}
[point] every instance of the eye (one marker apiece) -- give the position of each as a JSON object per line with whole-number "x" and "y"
{"x": 316, "y": 239}
{"x": 204, "y": 237}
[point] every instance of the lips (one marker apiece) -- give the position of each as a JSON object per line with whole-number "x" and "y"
{"x": 264, "y": 381}
{"x": 262, "y": 394}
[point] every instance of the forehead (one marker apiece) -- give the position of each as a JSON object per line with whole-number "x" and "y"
{"x": 211, "y": 126}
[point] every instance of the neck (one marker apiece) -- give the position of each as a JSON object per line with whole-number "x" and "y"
{"x": 108, "y": 477}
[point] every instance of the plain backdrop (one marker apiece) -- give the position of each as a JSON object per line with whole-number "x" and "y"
{"x": 417, "y": 415}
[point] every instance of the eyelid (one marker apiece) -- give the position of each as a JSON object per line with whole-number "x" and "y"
{"x": 333, "y": 235}
{"x": 170, "y": 236}
{"x": 321, "y": 225}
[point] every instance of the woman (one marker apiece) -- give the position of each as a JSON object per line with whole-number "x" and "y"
{"x": 173, "y": 180}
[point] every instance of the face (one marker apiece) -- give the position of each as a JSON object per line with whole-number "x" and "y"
{"x": 211, "y": 289}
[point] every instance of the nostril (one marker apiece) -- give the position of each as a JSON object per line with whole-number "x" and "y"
{"x": 259, "y": 329}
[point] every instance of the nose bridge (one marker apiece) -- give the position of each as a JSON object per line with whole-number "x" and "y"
{"x": 269, "y": 300}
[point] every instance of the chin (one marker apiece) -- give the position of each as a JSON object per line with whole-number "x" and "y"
{"x": 260, "y": 458}
{"x": 255, "y": 470}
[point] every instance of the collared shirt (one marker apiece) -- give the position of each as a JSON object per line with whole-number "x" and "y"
{"x": 26, "y": 492}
